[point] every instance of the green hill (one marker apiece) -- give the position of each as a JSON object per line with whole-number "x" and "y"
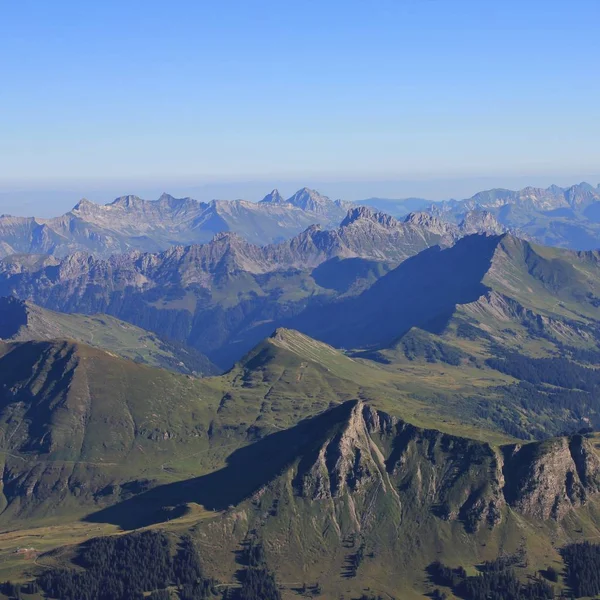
{"x": 24, "y": 321}
{"x": 83, "y": 428}
{"x": 355, "y": 499}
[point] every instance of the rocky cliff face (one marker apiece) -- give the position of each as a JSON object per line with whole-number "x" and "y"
{"x": 548, "y": 479}
{"x": 481, "y": 221}
{"x": 457, "y": 479}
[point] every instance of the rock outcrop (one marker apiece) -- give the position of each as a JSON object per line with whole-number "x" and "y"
{"x": 368, "y": 453}
{"x": 547, "y": 479}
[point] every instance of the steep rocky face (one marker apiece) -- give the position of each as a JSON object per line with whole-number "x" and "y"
{"x": 431, "y": 223}
{"x": 477, "y": 221}
{"x": 312, "y": 201}
{"x": 362, "y": 212}
{"x": 369, "y": 453}
{"x": 548, "y": 479}
{"x": 347, "y": 462}
{"x": 419, "y": 470}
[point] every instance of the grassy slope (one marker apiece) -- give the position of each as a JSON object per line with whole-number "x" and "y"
{"x": 303, "y": 546}
{"x": 539, "y": 300}
{"x": 116, "y": 336}
{"x": 290, "y": 376}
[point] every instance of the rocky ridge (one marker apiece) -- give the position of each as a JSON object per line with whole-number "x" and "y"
{"x": 455, "y": 478}
{"x": 364, "y": 234}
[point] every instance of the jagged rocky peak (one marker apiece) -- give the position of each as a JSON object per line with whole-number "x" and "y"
{"x": 363, "y": 212}
{"x": 481, "y": 221}
{"x": 361, "y": 449}
{"x": 274, "y": 197}
{"x": 547, "y": 479}
{"x": 346, "y": 461}
{"x": 129, "y": 201}
{"x": 430, "y": 222}
{"x": 310, "y": 200}
{"x": 582, "y": 194}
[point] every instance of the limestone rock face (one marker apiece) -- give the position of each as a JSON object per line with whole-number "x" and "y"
{"x": 481, "y": 221}
{"x": 547, "y": 479}
{"x": 372, "y": 454}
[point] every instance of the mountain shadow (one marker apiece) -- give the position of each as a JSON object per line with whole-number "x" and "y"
{"x": 247, "y": 470}
{"x": 342, "y": 274}
{"x": 422, "y": 291}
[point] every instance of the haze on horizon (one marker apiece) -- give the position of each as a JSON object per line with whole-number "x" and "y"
{"x": 427, "y": 98}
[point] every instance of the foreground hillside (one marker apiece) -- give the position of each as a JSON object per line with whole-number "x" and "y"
{"x": 24, "y": 321}
{"x": 350, "y": 500}
{"x": 81, "y": 428}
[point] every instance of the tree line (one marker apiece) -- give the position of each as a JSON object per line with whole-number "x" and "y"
{"x": 124, "y": 567}
{"x": 497, "y": 582}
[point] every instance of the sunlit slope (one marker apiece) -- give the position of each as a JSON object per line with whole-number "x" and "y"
{"x": 24, "y": 321}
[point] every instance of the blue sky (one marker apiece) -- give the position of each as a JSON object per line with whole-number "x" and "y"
{"x": 138, "y": 94}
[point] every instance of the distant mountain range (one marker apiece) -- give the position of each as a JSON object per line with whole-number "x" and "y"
{"x": 130, "y": 223}
{"x": 565, "y": 217}
{"x": 224, "y": 296}
{"x": 554, "y": 216}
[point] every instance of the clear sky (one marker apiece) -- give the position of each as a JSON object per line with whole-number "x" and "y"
{"x": 193, "y": 91}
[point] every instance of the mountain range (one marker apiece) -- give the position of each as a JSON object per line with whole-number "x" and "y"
{"x": 341, "y": 493}
{"x": 209, "y": 295}
{"x": 130, "y": 223}
{"x": 496, "y": 315}
{"x": 566, "y": 217}
{"x": 400, "y": 408}
{"x": 553, "y": 216}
